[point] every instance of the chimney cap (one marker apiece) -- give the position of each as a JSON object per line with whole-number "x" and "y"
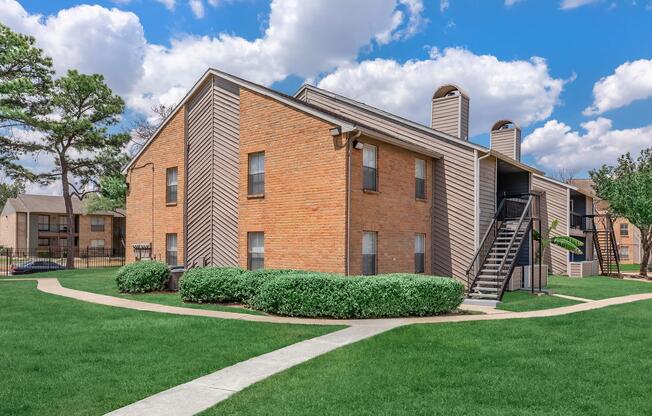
{"x": 504, "y": 125}
{"x": 447, "y": 89}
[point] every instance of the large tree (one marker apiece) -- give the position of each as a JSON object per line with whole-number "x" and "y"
{"x": 25, "y": 82}
{"x": 627, "y": 187}
{"x": 78, "y": 135}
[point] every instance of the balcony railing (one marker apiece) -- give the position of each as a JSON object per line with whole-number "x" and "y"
{"x": 53, "y": 228}
{"x": 579, "y": 221}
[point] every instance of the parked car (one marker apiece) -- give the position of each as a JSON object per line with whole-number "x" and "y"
{"x": 36, "y": 266}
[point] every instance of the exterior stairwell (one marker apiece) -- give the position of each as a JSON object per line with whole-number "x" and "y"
{"x": 606, "y": 247}
{"x": 498, "y": 253}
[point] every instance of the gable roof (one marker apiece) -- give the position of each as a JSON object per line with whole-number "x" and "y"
{"x": 345, "y": 123}
{"x": 51, "y": 204}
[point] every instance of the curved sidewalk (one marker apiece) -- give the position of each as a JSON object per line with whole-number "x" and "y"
{"x": 204, "y": 392}
{"x": 52, "y": 286}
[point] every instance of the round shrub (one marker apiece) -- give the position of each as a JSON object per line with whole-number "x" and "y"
{"x": 327, "y": 295}
{"x": 142, "y": 276}
{"x": 212, "y": 284}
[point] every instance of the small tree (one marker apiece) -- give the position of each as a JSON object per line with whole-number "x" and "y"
{"x": 566, "y": 242}
{"x": 75, "y": 133}
{"x": 10, "y": 190}
{"x": 144, "y": 128}
{"x": 628, "y": 189}
{"x": 112, "y": 195}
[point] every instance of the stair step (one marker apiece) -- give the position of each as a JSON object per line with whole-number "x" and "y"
{"x": 483, "y": 295}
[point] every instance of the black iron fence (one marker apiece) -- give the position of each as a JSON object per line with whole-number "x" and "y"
{"x": 18, "y": 261}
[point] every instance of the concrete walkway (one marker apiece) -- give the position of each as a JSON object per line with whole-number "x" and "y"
{"x": 204, "y": 392}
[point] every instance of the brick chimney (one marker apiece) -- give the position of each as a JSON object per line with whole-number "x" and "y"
{"x": 505, "y": 138}
{"x": 450, "y": 111}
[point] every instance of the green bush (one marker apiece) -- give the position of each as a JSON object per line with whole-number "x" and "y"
{"x": 310, "y": 294}
{"x": 324, "y": 295}
{"x": 212, "y": 284}
{"x": 142, "y": 276}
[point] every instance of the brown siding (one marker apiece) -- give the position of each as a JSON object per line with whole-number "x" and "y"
{"x": 454, "y": 188}
{"x": 507, "y": 142}
{"x": 303, "y": 212}
{"x": 487, "y": 194}
{"x": 446, "y": 115}
{"x": 554, "y": 205}
{"x": 149, "y": 218}
{"x": 392, "y": 212}
{"x": 213, "y": 177}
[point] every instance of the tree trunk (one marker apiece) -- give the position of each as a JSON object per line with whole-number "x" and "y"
{"x": 70, "y": 241}
{"x": 646, "y": 242}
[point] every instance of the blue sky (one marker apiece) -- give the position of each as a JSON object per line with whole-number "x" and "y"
{"x": 541, "y": 63}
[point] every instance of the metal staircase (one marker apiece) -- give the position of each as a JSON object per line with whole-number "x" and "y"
{"x": 604, "y": 240}
{"x": 498, "y": 252}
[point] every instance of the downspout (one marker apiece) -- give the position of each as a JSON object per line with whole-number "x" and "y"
{"x": 477, "y": 196}
{"x": 349, "y": 144}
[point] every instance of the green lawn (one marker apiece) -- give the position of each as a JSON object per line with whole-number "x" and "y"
{"x": 597, "y": 287}
{"x": 630, "y": 267}
{"x": 60, "y": 356}
{"x": 103, "y": 281}
{"x": 522, "y": 301}
{"x": 590, "y": 363}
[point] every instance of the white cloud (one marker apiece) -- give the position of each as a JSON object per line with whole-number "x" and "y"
{"x": 573, "y": 4}
{"x": 631, "y": 81}
{"x": 92, "y": 39}
{"x": 169, "y": 4}
{"x": 197, "y": 7}
{"x": 302, "y": 38}
{"x": 523, "y": 91}
{"x": 556, "y": 145}
{"x": 509, "y": 3}
{"x": 444, "y": 5}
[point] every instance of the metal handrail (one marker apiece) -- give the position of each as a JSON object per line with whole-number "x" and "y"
{"x": 511, "y": 242}
{"x": 486, "y": 234}
{"x": 493, "y": 227}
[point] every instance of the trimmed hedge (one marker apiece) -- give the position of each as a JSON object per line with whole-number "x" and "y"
{"x": 212, "y": 285}
{"x": 142, "y": 276}
{"x": 324, "y": 295}
{"x": 310, "y": 294}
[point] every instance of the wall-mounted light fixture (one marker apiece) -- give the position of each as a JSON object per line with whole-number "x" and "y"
{"x": 335, "y": 131}
{"x": 358, "y": 145}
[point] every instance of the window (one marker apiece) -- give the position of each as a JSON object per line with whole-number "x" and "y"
{"x": 624, "y": 230}
{"x": 255, "y": 250}
{"x": 171, "y": 185}
{"x": 420, "y": 179}
{"x": 369, "y": 241}
{"x": 256, "y": 181}
{"x": 43, "y": 223}
{"x": 43, "y": 242}
{"x": 624, "y": 252}
{"x": 97, "y": 243}
{"x": 171, "y": 249}
{"x": 369, "y": 167}
{"x": 63, "y": 242}
{"x": 97, "y": 223}
{"x": 63, "y": 224}
{"x": 419, "y": 253}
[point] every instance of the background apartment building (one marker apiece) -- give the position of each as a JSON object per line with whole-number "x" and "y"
{"x": 39, "y": 223}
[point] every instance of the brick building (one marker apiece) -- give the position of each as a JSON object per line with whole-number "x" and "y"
{"x": 240, "y": 174}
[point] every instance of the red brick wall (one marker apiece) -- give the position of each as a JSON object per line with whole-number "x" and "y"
{"x": 303, "y": 211}
{"x": 86, "y": 235}
{"x": 149, "y": 219}
{"x": 393, "y": 212}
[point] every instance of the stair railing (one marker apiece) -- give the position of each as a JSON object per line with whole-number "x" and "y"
{"x": 523, "y": 217}
{"x": 510, "y": 206}
{"x": 485, "y": 247}
{"x": 614, "y": 246}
